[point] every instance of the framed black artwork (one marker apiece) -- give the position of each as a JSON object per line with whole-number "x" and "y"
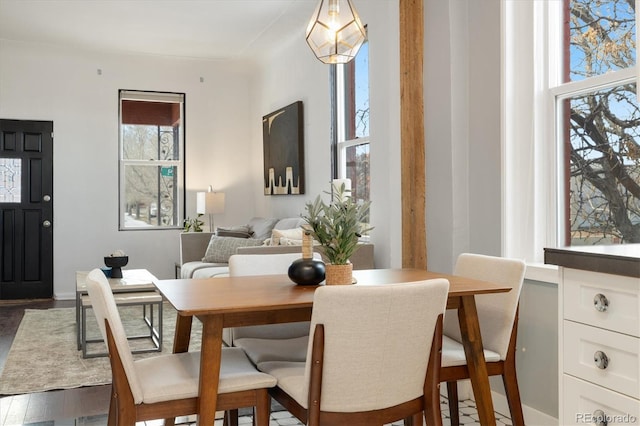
{"x": 283, "y": 140}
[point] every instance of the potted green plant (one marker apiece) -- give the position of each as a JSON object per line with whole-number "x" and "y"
{"x": 338, "y": 226}
{"x": 194, "y": 224}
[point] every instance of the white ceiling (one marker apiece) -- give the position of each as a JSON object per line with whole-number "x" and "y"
{"x": 209, "y": 29}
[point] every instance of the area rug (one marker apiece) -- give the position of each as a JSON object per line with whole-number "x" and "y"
{"x": 44, "y": 353}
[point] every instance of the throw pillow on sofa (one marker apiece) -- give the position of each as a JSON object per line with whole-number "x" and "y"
{"x": 262, "y": 227}
{"x": 243, "y": 231}
{"x": 286, "y": 237}
{"x": 221, "y": 248}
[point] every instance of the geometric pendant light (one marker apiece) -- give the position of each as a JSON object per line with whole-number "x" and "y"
{"x": 335, "y": 32}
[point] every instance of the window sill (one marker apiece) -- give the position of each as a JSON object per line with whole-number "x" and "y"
{"x": 542, "y": 272}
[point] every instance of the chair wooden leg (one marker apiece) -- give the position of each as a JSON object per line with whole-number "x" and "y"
{"x": 432, "y": 412}
{"x": 513, "y": 396}
{"x": 126, "y": 418}
{"x": 510, "y": 378}
{"x": 414, "y": 420}
{"x": 431, "y": 394}
{"x": 262, "y": 411}
{"x": 452, "y": 393}
{"x": 113, "y": 411}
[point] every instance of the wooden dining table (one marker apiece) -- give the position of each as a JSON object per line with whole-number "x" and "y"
{"x": 270, "y": 299}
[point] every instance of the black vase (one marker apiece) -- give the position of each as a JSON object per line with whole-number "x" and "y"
{"x": 116, "y": 263}
{"x": 306, "y": 271}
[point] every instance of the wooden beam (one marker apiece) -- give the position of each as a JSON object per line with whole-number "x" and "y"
{"x": 414, "y": 233}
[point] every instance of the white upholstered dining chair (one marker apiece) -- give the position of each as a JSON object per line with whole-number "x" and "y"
{"x": 498, "y": 318}
{"x": 271, "y": 342}
{"x": 167, "y": 385}
{"x": 373, "y": 357}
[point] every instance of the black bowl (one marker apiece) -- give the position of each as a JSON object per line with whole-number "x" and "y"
{"x": 116, "y": 261}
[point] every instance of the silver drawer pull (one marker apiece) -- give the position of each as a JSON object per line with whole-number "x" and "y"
{"x": 601, "y": 359}
{"x": 600, "y": 302}
{"x": 599, "y": 418}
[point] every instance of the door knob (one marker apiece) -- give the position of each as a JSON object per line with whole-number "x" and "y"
{"x": 46, "y": 224}
{"x": 46, "y": 198}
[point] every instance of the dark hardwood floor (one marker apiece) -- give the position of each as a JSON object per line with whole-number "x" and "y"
{"x": 88, "y": 406}
{"x": 44, "y": 408}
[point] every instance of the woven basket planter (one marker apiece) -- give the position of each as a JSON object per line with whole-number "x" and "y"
{"x": 338, "y": 274}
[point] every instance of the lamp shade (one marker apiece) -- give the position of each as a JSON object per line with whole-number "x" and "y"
{"x": 335, "y": 32}
{"x": 209, "y": 202}
{"x": 337, "y": 185}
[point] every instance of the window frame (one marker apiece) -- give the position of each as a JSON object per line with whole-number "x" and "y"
{"x": 532, "y": 90}
{"x": 340, "y": 117}
{"x": 561, "y": 93}
{"x": 179, "y": 164}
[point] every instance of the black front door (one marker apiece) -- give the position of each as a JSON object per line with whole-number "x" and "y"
{"x": 26, "y": 209}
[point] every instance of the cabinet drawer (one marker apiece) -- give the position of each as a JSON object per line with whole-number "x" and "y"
{"x": 618, "y": 299}
{"x": 602, "y": 357}
{"x": 582, "y": 400}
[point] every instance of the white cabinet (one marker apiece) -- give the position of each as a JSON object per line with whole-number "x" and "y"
{"x": 599, "y": 360}
{"x": 586, "y": 403}
{"x": 602, "y": 300}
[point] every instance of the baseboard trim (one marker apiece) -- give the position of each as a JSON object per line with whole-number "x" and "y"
{"x": 500, "y": 405}
{"x": 531, "y": 415}
{"x": 64, "y": 296}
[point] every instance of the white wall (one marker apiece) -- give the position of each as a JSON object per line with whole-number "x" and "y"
{"x": 224, "y": 135}
{"x": 484, "y": 135}
{"x": 462, "y": 129}
{"x": 438, "y": 111}
{"x": 223, "y": 130}
{"x": 39, "y": 82}
{"x": 464, "y": 174}
{"x": 537, "y": 347}
{"x": 382, "y": 17}
{"x": 293, "y": 73}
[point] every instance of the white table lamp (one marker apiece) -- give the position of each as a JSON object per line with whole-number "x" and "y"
{"x": 210, "y": 203}
{"x": 337, "y": 184}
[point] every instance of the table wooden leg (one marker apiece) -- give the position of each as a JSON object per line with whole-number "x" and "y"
{"x": 210, "y": 359}
{"x": 183, "y": 334}
{"x": 472, "y": 341}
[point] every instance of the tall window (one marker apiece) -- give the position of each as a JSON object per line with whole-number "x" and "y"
{"x": 151, "y": 159}
{"x": 599, "y": 124}
{"x": 352, "y": 123}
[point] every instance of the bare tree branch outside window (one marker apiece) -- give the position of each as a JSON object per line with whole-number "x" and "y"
{"x": 603, "y": 126}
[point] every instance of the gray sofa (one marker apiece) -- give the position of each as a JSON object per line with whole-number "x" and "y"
{"x": 193, "y": 246}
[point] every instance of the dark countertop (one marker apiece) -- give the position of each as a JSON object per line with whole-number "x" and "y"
{"x": 621, "y": 259}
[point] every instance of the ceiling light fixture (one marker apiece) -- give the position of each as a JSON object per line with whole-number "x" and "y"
{"x": 335, "y": 32}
